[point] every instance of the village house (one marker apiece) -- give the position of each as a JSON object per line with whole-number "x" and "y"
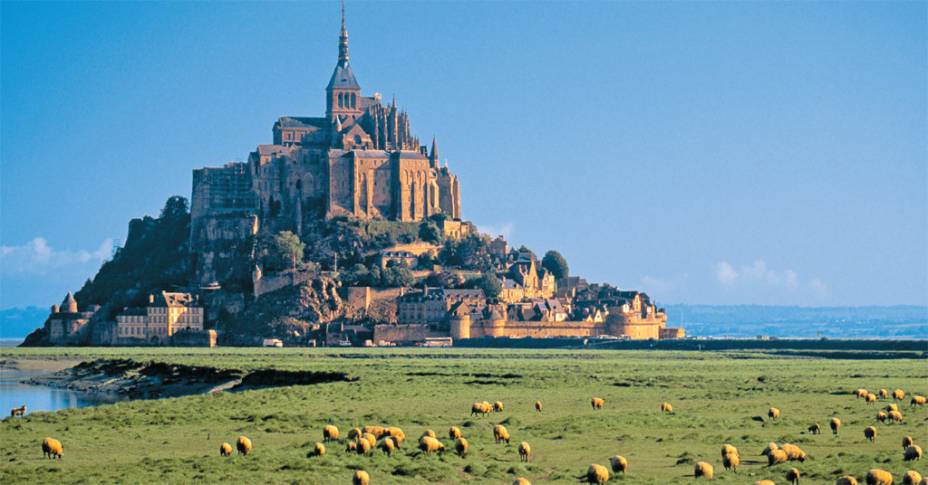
{"x": 165, "y": 315}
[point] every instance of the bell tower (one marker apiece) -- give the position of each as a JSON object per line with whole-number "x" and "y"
{"x": 343, "y": 94}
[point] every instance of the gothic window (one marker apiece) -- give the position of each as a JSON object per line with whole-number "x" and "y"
{"x": 340, "y": 100}
{"x": 353, "y": 101}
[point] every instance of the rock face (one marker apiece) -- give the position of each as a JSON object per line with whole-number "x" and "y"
{"x": 292, "y": 314}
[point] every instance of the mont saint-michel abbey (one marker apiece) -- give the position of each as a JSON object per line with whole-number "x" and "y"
{"x": 360, "y": 159}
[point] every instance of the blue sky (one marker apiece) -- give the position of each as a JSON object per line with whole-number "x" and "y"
{"x": 755, "y": 152}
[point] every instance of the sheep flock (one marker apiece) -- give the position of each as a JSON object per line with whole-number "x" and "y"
{"x": 504, "y": 434}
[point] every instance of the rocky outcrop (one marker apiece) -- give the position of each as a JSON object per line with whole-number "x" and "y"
{"x": 293, "y": 314}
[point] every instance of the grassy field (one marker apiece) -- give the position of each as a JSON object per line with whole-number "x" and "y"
{"x": 717, "y": 398}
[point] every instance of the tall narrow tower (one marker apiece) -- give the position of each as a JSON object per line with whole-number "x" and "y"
{"x": 343, "y": 94}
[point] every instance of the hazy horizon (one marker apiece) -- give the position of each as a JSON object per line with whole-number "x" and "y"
{"x": 705, "y": 153}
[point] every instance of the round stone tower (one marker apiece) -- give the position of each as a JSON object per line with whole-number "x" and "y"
{"x": 460, "y": 327}
{"x": 69, "y": 305}
{"x": 615, "y": 322}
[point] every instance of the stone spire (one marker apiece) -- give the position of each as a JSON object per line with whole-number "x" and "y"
{"x": 433, "y": 157}
{"x": 343, "y": 41}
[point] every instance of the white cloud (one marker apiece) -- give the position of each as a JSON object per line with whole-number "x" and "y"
{"x": 725, "y": 273}
{"x": 504, "y": 230}
{"x": 759, "y": 273}
{"x": 38, "y": 257}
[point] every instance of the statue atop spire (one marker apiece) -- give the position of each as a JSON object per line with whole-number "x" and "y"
{"x": 343, "y": 41}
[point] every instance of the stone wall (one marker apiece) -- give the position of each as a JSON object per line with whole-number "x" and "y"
{"x": 267, "y": 283}
{"x": 405, "y": 333}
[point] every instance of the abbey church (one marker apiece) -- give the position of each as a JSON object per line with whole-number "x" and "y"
{"x": 361, "y": 159}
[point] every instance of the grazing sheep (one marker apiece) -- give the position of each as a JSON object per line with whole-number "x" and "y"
{"x": 907, "y": 442}
{"x": 538, "y": 406}
{"x": 770, "y": 448}
{"x": 871, "y": 398}
{"x": 884, "y": 394}
{"x": 916, "y": 401}
{"x": 666, "y": 407}
{"x": 387, "y": 445}
{"x": 244, "y": 445}
{"x": 898, "y": 394}
{"x": 355, "y": 433}
{"x": 454, "y": 433}
{"x": 598, "y": 402}
{"x": 911, "y": 477}
{"x": 794, "y": 452}
{"x": 846, "y": 480}
{"x": 364, "y": 446}
{"x": 912, "y": 453}
{"x": 498, "y": 407}
{"x": 891, "y": 407}
{"x": 52, "y": 448}
{"x": 351, "y": 446}
{"x": 480, "y": 409}
{"x": 597, "y": 474}
{"x": 835, "y": 425}
{"x": 861, "y": 393}
{"x": 461, "y": 446}
{"x": 225, "y": 449}
{"x": 764, "y": 482}
{"x": 525, "y": 451}
{"x": 377, "y": 431}
{"x": 815, "y": 428}
{"x": 431, "y": 445}
{"x": 879, "y": 477}
{"x": 776, "y": 457}
{"x": 318, "y": 449}
{"x": 731, "y": 461}
{"x": 773, "y": 413}
{"x": 729, "y": 449}
{"x": 896, "y": 416}
{"x": 870, "y": 433}
{"x": 619, "y": 464}
{"x": 500, "y": 433}
{"x": 521, "y": 481}
{"x": 429, "y": 433}
{"x": 20, "y": 411}
{"x": 329, "y": 433}
{"x": 370, "y": 438}
{"x": 792, "y": 476}
{"x": 397, "y": 434}
{"x": 882, "y": 416}
{"x": 703, "y": 469}
{"x": 360, "y": 478}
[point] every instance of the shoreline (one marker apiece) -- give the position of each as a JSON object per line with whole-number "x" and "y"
{"x": 110, "y": 380}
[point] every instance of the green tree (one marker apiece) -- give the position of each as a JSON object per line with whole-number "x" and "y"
{"x": 430, "y": 232}
{"x": 176, "y": 207}
{"x": 396, "y": 277}
{"x": 283, "y": 251}
{"x": 490, "y": 285}
{"x": 555, "y": 264}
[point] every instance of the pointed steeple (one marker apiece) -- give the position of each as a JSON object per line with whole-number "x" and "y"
{"x": 343, "y": 94}
{"x": 433, "y": 157}
{"x": 343, "y": 41}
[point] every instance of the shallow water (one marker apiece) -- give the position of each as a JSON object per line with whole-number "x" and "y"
{"x": 13, "y": 394}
